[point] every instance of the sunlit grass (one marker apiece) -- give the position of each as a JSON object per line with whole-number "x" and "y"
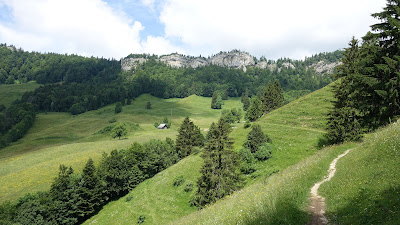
{"x": 366, "y": 187}
{"x": 31, "y": 163}
{"x": 12, "y": 92}
{"x": 291, "y": 143}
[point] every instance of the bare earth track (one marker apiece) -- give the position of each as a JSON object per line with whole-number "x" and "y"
{"x": 317, "y": 207}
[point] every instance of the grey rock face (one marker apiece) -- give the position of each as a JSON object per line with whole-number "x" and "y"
{"x": 234, "y": 59}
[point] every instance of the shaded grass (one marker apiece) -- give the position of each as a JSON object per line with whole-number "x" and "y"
{"x": 366, "y": 187}
{"x": 12, "y": 92}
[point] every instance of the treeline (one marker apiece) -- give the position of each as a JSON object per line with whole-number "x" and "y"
{"x": 73, "y": 198}
{"x": 15, "y": 121}
{"x": 368, "y": 86}
{"x": 18, "y": 66}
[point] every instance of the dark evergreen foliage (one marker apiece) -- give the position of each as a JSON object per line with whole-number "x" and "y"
{"x": 255, "y": 110}
{"x": 118, "y": 107}
{"x": 220, "y": 175}
{"x": 216, "y": 101}
{"x": 188, "y": 137}
{"x": 367, "y": 92}
{"x": 255, "y": 138}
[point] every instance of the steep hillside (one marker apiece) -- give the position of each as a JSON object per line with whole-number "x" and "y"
{"x": 366, "y": 188}
{"x": 294, "y": 138}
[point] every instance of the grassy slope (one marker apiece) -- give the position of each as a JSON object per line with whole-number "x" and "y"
{"x": 294, "y": 132}
{"x": 366, "y": 187}
{"x": 31, "y": 163}
{"x": 11, "y": 92}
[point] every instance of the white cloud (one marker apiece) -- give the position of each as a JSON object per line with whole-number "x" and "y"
{"x": 89, "y": 27}
{"x": 159, "y": 46}
{"x": 264, "y": 27}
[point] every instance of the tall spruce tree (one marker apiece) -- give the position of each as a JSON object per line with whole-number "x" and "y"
{"x": 220, "y": 174}
{"x": 89, "y": 190}
{"x": 188, "y": 137}
{"x": 387, "y": 65}
{"x": 343, "y": 119}
{"x": 272, "y": 97}
{"x": 367, "y": 92}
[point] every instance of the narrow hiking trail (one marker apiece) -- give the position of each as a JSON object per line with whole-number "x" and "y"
{"x": 317, "y": 207}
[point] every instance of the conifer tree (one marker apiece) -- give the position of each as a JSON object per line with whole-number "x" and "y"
{"x": 89, "y": 190}
{"x": 255, "y": 138}
{"x": 220, "y": 175}
{"x": 255, "y": 109}
{"x": 245, "y": 100}
{"x": 216, "y": 101}
{"x": 188, "y": 137}
{"x": 272, "y": 97}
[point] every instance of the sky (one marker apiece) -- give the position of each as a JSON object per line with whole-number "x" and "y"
{"x": 116, "y": 28}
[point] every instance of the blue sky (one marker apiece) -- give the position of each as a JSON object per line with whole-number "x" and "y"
{"x": 116, "y": 28}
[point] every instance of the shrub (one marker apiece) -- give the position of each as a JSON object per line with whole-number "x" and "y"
{"x": 141, "y": 219}
{"x": 118, "y": 107}
{"x": 263, "y": 152}
{"x": 178, "y": 181}
{"x": 128, "y": 198}
{"x": 188, "y": 187}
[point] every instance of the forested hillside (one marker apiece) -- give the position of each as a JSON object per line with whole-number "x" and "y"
{"x": 78, "y": 84}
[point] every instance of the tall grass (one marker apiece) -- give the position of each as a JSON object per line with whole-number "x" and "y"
{"x": 366, "y": 187}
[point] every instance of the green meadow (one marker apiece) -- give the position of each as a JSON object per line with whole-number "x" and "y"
{"x": 11, "y": 92}
{"x": 31, "y": 163}
{"x": 277, "y": 193}
{"x": 294, "y": 137}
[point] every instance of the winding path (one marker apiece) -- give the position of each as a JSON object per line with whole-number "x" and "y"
{"x": 317, "y": 207}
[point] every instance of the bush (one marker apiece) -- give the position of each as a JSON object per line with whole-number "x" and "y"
{"x": 188, "y": 187}
{"x": 247, "y": 125}
{"x": 178, "y": 181}
{"x": 141, "y": 219}
{"x": 128, "y": 198}
{"x": 263, "y": 152}
{"x": 118, "y": 107}
{"x": 248, "y": 161}
{"x": 112, "y": 120}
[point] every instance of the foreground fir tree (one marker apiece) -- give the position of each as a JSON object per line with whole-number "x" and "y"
{"x": 220, "y": 172}
{"x": 343, "y": 119}
{"x": 188, "y": 137}
{"x": 367, "y": 92}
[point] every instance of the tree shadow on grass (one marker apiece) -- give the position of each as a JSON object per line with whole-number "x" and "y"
{"x": 286, "y": 212}
{"x": 370, "y": 207}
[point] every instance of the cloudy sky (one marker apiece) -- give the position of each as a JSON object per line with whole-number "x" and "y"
{"x": 116, "y": 28}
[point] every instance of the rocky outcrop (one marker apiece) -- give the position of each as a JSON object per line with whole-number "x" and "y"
{"x": 325, "y": 68}
{"x": 129, "y": 63}
{"x": 234, "y": 59}
{"x": 176, "y": 60}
